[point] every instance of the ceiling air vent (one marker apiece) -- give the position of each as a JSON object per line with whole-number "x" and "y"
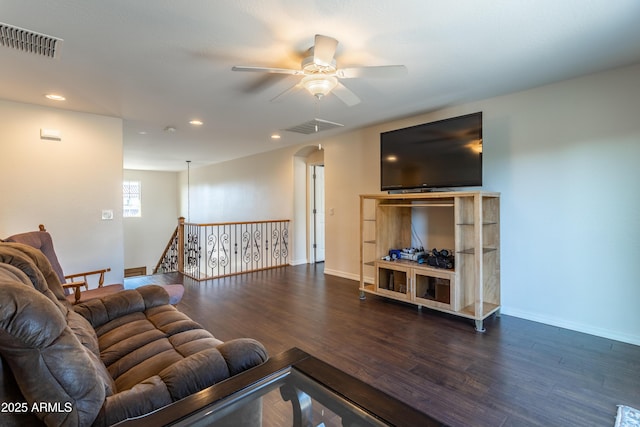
{"x": 29, "y": 41}
{"x": 313, "y": 126}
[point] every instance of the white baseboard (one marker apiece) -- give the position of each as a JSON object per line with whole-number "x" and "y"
{"x": 535, "y": 317}
{"x": 574, "y": 326}
{"x": 342, "y": 274}
{"x": 299, "y": 261}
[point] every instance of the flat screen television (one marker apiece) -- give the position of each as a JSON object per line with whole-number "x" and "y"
{"x": 437, "y": 155}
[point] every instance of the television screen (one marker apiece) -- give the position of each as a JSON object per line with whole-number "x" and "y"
{"x": 441, "y": 154}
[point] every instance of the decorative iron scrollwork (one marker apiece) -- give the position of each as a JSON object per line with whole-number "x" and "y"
{"x": 192, "y": 251}
{"x": 231, "y": 248}
{"x": 280, "y": 243}
{"x": 218, "y": 250}
{"x": 169, "y": 261}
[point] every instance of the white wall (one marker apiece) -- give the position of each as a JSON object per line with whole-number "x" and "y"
{"x": 64, "y": 184}
{"x": 146, "y": 237}
{"x": 565, "y": 158}
{"x": 254, "y": 188}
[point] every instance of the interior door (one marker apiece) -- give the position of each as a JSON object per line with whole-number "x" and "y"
{"x": 319, "y": 208}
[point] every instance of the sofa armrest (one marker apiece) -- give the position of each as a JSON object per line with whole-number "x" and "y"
{"x": 85, "y": 274}
{"x": 102, "y": 310}
{"x": 242, "y": 354}
{"x": 139, "y": 400}
{"x": 76, "y": 288}
{"x": 207, "y": 367}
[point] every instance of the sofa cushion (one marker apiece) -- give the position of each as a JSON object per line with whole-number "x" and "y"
{"x": 101, "y": 311}
{"x": 87, "y": 336}
{"x": 83, "y": 331}
{"x": 145, "y": 343}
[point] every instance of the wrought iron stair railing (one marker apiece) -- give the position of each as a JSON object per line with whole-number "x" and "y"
{"x": 207, "y": 251}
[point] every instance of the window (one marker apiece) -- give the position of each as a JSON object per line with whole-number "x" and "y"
{"x": 132, "y": 206}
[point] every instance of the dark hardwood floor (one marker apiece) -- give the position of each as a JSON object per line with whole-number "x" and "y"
{"x": 518, "y": 373}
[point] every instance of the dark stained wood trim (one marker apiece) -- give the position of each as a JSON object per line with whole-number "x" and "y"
{"x": 380, "y": 404}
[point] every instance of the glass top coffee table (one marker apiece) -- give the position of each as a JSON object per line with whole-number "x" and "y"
{"x": 290, "y": 389}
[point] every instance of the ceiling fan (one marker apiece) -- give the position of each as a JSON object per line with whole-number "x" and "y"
{"x": 321, "y": 75}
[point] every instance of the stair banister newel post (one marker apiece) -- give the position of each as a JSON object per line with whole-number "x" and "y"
{"x": 181, "y": 244}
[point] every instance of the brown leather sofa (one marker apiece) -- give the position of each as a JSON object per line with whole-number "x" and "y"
{"x": 102, "y": 361}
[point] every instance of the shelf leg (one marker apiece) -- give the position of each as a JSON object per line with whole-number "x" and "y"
{"x": 362, "y": 296}
{"x": 497, "y": 313}
{"x": 480, "y": 326}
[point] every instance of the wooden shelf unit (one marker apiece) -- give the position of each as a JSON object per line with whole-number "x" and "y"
{"x": 470, "y": 227}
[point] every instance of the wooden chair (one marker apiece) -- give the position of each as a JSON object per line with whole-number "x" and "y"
{"x": 72, "y": 283}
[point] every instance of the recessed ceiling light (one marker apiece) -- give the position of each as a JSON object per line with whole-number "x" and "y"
{"x": 275, "y": 136}
{"x": 55, "y": 97}
{"x": 196, "y": 122}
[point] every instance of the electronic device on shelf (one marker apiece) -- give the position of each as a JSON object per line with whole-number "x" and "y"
{"x": 441, "y": 154}
{"x": 442, "y": 258}
{"x": 412, "y": 254}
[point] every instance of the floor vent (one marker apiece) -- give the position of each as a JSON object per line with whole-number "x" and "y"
{"x": 29, "y": 41}
{"x": 313, "y": 126}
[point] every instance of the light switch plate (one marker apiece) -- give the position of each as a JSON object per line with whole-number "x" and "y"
{"x": 52, "y": 134}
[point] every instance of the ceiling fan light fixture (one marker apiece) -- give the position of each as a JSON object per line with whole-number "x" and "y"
{"x": 319, "y": 85}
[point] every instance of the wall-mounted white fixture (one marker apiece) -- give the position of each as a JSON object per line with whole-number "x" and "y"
{"x": 107, "y": 214}
{"x": 53, "y": 134}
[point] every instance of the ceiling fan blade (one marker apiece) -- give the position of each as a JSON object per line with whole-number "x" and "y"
{"x": 286, "y": 93}
{"x": 324, "y": 50}
{"x": 382, "y": 71}
{"x": 267, "y": 70}
{"x": 345, "y": 95}
{"x": 262, "y": 82}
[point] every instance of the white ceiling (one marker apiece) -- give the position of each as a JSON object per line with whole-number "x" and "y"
{"x": 159, "y": 63}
